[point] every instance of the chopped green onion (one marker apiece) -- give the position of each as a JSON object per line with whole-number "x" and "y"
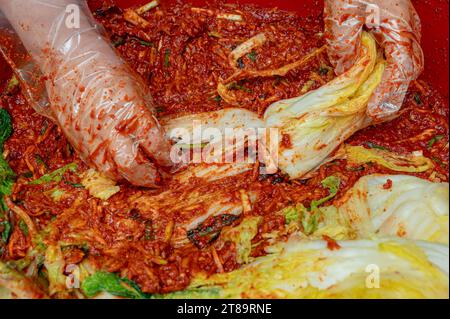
{"x": 376, "y": 146}
{"x": 332, "y": 183}
{"x": 6, "y": 127}
{"x": 7, "y": 175}
{"x": 27, "y": 174}
{"x": 217, "y": 99}
{"x": 236, "y": 86}
{"x": 252, "y": 56}
{"x": 56, "y": 175}
{"x": 146, "y": 43}
{"x": 40, "y": 161}
{"x": 75, "y": 185}
{"x": 324, "y": 69}
{"x": 23, "y": 227}
{"x": 143, "y": 42}
{"x": 6, "y": 230}
{"x": 166, "y": 58}
{"x": 435, "y": 139}
{"x": 418, "y": 99}
{"x": 147, "y": 7}
{"x": 120, "y": 41}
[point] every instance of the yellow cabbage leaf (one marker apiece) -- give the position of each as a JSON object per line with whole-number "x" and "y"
{"x": 98, "y": 185}
{"x": 401, "y": 163}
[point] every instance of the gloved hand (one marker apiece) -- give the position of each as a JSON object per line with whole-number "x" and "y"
{"x": 102, "y": 107}
{"x": 398, "y": 32}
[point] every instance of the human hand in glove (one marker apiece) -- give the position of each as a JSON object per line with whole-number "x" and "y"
{"x": 396, "y": 26}
{"x": 104, "y": 110}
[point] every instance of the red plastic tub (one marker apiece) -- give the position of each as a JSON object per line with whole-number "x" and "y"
{"x": 435, "y": 22}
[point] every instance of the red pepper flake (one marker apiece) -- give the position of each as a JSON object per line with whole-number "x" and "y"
{"x": 286, "y": 141}
{"x": 331, "y": 243}
{"x": 401, "y": 232}
{"x": 388, "y": 184}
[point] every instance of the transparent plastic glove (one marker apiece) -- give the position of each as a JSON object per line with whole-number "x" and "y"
{"x": 396, "y": 26}
{"x": 102, "y": 107}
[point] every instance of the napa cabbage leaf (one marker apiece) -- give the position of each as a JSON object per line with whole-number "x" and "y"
{"x": 398, "y": 205}
{"x": 316, "y": 123}
{"x": 384, "y": 268}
